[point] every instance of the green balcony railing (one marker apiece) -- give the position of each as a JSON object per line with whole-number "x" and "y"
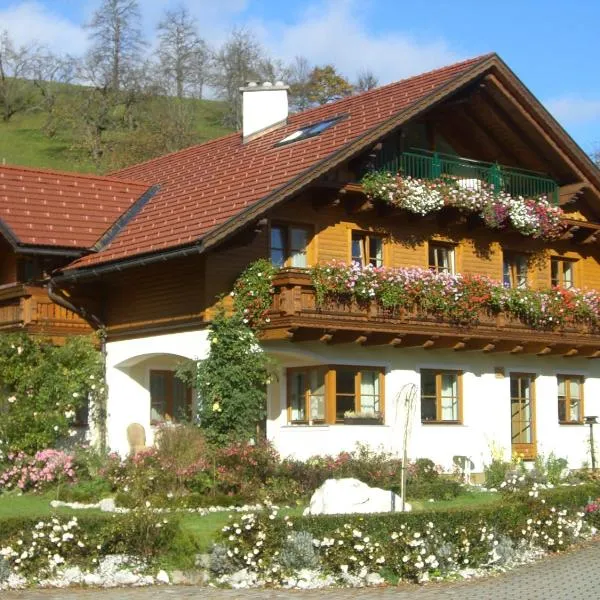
{"x": 432, "y": 165}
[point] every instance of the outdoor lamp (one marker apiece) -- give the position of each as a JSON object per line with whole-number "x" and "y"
{"x": 592, "y": 420}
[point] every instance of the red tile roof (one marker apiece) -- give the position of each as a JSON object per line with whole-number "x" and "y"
{"x": 203, "y": 186}
{"x": 51, "y": 208}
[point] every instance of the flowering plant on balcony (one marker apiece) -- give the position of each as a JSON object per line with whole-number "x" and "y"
{"x": 454, "y": 298}
{"x": 534, "y": 217}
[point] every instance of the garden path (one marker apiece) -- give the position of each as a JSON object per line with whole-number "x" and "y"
{"x": 573, "y": 575}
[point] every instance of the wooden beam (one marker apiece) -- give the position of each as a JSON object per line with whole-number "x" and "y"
{"x": 428, "y": 344}
{"x": 544, "y": 351}
{"x": 508, "y": 97}
{"x": 595, "y": 354}
{"x": 571, "y": 352}
{"x": 489, "y": 348}
{"x": 500, "y": 149}
{"x": 327, "y": 336}
{"x": 360, "y": 340}
{"x": 517, "y": 349}
{"x": 395, "y": 342}
{"x": 459, "y": 346}
{"x": 570, "y": 193}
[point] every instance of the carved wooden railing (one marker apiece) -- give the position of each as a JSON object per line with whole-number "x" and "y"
{"x": 28, "y": 307}
{"x": 295, "y": 304}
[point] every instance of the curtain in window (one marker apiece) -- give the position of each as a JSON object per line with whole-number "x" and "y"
{"x": 317, "y": 395}
{"x": 369, "y": 392}
{"x": 449, "y": 397}
{"x": 158, "y": 396}
{"x": 297, "y": 400}
{"x": 575, "y": 408}
{"x": 298, "y": 243}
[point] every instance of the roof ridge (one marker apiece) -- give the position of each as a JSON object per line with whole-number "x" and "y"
{"x": 106, "y": 178}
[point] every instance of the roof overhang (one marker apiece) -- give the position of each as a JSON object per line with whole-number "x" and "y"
{"x": 493, "y": 67}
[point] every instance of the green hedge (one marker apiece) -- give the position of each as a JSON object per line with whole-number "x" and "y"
{"x": 135, "y": 534}
{"x": 504, "y": 517}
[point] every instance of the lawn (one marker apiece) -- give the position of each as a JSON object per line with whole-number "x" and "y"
{"x": 23, "y": 142}
{"x": 205, "y": 528}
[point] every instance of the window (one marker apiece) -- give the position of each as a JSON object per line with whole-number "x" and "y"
{"x": 515, "y": 271}
{"x": 570, "y": 398}
{"x": 327, "y": 394}
{"x": 288, "y": 246}
{"x": 170, "y": 398}
{"x": 562, "y": 272}
{"x": 309, "y": 131}
{"x": 441, "y": 258}
{"x": 441, "y": 393}
{"x": 306, "y": 393}
{"x": 522, "y": 399}
{"x": 367, "y": 249}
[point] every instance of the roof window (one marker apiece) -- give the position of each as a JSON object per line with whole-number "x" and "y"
{"x": 310, "y": 131}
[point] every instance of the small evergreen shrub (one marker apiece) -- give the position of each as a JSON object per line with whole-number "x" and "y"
{"x": 298, "y": 552}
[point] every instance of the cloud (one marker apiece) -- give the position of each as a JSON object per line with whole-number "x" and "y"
{"x": 33, "y": 22}
{"x": 574, "y": 110}
{"x": 334, "y": 31}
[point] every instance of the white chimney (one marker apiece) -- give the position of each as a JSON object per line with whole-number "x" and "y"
{"x": 264, "y": 106}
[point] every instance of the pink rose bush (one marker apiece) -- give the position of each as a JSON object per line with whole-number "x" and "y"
{"x": 26, "y": 473}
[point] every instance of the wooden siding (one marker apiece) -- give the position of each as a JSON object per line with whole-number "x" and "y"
{"x": 170, "y": 294}
{"x": 185, "y": 292}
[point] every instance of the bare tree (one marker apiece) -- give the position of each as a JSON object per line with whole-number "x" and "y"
{"x": 236, "y": 63}
{"x": 117, "y": 39}
{"x": 182, "y": 54}
{"x": 366, "y": 81}
{"x": 16, "y": 91}
{"x": 51, "y": 72}
{"x": 299, "y": 80}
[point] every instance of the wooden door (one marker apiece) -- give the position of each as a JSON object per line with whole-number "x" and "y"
{"x": 522, "y": 422}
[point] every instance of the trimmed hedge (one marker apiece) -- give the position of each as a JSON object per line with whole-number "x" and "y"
{"x": 506, "y": 516}
{"x": 135, "y": 534}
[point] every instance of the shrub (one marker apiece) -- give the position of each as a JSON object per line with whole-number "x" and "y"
{"x": 37, "y": 547}
{"x": 43, "y": 386}
{"x": 495, "y": 472}
{"x": 37, "y": 473}
{"x": 411, "y": 545}
{"x": 298, "y": 552}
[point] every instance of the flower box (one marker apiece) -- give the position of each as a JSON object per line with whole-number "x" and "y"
{"x": 363, "y": 420}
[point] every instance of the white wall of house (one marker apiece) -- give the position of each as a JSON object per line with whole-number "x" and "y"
{"x": 128, "y": 366}
{"x": 486, "y": 404}
{"x": 486, "y": 398}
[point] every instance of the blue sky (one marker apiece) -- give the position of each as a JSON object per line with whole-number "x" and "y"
{"x": 551, "y": 45}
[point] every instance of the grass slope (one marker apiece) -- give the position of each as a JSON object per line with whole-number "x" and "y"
{"x": 23, "y": 142}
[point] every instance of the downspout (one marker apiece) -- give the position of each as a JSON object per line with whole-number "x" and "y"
{"x": 100, "y": 327}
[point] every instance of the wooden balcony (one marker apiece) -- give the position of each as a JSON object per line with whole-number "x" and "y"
{"x": 28, "y": 308}
{"x": 295, "y": 316}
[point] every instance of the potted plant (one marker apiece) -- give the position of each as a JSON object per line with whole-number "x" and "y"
{"x": 362, "y": 418}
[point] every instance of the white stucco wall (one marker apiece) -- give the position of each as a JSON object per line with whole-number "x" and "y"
{"x": 486, "y": 398}
{"x": 128, "y": 365}
{"x": 486, "y": 404}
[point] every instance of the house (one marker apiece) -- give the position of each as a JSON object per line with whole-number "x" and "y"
{"x": 47, "y": 220}
{"x": 289, "y": 187}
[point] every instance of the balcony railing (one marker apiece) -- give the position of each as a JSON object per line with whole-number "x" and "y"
{"x": 433, "y": 165}
{"x": 295, "y": 313}
{"x": 28, "y": 307}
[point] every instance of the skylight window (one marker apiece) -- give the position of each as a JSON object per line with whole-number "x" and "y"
{"x": 310, "y": 131}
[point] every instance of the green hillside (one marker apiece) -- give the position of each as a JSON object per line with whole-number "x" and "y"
{"x": 23, "y": 141}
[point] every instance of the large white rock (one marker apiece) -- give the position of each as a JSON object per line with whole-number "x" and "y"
{"x": 347, "y": 496}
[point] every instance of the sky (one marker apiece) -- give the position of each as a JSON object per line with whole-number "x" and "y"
{"x": 551, "y": 45}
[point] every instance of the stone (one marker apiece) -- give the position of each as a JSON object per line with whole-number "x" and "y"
{"x": 374, "y": 579}
{"x": 107, "y": 505}
{"x": 348, "y": 496}
{"x": 92, "y": 579}
{"x": 125, "y": 578}
{"x": 162, "y": 577}
{"x": 72, "y": 575}
{"x": 136, "y": 438}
